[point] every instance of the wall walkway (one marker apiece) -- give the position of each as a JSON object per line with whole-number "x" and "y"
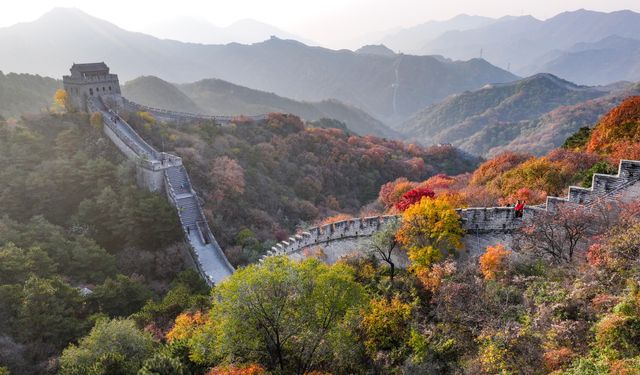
{"x": 157, "y": 170}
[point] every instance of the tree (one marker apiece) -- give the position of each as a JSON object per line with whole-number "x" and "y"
{"x": 413, "y": 196}
{"x": 17, "y": 264}
{"x": 286, "y": 315}
{"x": 558, "y": 233}
{"x": 252, "y": 369}
{"x": 61, "y": 99}
{"x": 115, "y": 345}
{"x": 430, "y": 229}
{"x": 492, "y": 261}
{"x": 162, "y": 364}
{"x": 384, "y": 242}
{"x": 228, "y": 177}
{"x": 49, "y": 312}
{"x": 391, "y": 192}
{"x": 96, "y": 120}
{"x": 386, "y": 324}
{"x": 120, "y": 297}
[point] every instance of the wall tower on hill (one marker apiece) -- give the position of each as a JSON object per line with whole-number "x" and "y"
{"x": 92, "y": 81}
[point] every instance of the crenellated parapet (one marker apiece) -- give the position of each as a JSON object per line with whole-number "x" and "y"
{"x": 176, "y": 116}
{"x": 603, "y": 186}
{"x": 477, "y": 220}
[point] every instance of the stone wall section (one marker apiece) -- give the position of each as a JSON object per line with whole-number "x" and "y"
{"x": 180, "y": 117}
{"x": 484, "y": 226}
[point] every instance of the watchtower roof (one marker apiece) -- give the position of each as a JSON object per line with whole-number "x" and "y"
{"x": 89, "y": 69}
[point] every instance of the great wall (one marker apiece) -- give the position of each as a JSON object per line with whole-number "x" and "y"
{"x": 92, "y": 88}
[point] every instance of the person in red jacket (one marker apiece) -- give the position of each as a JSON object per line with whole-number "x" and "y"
{"x": 520, "y": 208}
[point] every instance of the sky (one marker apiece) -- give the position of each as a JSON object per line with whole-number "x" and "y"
{"x": 331, "y": 23}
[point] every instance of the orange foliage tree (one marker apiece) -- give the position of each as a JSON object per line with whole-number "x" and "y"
{"x": 61, "y": 99}
{"x": 252, "y": 369}
{"x": 185, "y": 325}
{"x": 491, "y": 169}
{"x": 621, "y": 124}
{"x": 391, "y": 192}
{"x": 492, "y": 262}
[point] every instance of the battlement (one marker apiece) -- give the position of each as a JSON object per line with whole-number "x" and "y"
{"x": 475, "y": 220}
{"x": 176, "y": 116}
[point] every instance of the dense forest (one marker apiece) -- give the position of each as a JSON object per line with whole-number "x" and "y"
{"x": 96, "y": 281}
{"x": 79, "y": 242}
{"x": 263, "y": 180}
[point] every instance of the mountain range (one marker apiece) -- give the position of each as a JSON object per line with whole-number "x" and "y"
{"x": 390, "y": 88}
{"x": 413, "y": 39}
{"x": 533, "y": 115}
{"x": 199, "y": 30}
{"x": 217, "y": 97}
{"x": 527, "y": 45}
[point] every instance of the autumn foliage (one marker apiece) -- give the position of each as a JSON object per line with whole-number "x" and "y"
{"x": 385, "y": 323}
{"x": 620, "y": 125}
{"x": 252, "y": 369}
{"x": 185, "y": 324}
{"x": 413, "y": 196}
{"x": 492, "y": 262}
{"x": 430, "y": 230}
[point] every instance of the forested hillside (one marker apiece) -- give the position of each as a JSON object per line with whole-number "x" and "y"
{"x": 534, "y": 115}
{"x": 562, "y": 299}
{"x": 261, "y": 181}
{"x": 25, "y": 93}
{"x": 217, "y": 97}
{"x": 79, "y": 242}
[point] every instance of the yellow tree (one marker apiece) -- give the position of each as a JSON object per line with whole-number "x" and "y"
{"x": 492, "y": 262}
{"x": 96, "y": 120}
{"x": 61, "y": 99}
{"x": 430, "y": 230}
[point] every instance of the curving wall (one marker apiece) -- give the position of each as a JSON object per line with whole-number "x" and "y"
{"x": 176, "y": 116}
{"x": 484, "y": 225}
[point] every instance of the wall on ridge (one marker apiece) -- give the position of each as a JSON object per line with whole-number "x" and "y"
{"x": 485, "y": 226}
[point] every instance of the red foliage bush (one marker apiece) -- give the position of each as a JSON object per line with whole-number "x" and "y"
{"x": 414, "y": 196}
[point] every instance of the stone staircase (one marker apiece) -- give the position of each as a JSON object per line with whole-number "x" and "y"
{"x": 210, "y": 258}
{"x": 174, "y": 179}
{"x": 603, "y": 186}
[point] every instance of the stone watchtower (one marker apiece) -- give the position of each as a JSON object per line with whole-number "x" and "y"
{"x": 92, "y": 80}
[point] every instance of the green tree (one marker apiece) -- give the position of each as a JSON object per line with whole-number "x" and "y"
{"x": 162, "y": 364}
{"x": 384, "y": 242}
{"x": 50, "y": 312}
{"x": 284, "y": 314}
{"x": 120, "y": 297}
{"x": 112, "y": 347}
{"x": 17, "y": 264}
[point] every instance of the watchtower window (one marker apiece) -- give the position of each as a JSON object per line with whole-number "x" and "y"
{"x": 103, "y": 90}
{"x": 91, "y": 91}
{"x": 109, "y": 88}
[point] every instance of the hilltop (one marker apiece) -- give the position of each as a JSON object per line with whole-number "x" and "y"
{"x": 24, "y": 93}
{"x": 495, "y": 115}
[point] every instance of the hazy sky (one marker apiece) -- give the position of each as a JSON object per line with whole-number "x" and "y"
{"x": 329, "y": 22}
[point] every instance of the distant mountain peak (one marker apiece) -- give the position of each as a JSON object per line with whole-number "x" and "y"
{"x": 376, "y": 49}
